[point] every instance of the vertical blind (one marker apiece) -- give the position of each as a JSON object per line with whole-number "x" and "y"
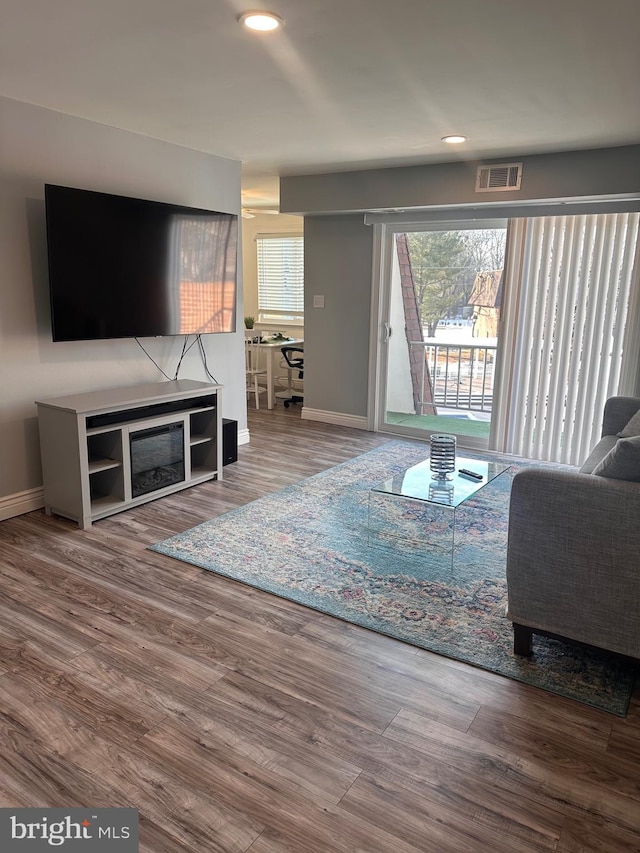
{"x": 281, "y": 274}
{"x": 569, "y": 281}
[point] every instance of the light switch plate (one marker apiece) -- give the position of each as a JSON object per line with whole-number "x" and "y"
{"x": 318, "y": 301}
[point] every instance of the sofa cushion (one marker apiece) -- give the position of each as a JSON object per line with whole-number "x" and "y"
{"x": 632, "y": 427}
{"x": 598, "y": 453}
{"x": 622, "y": 462}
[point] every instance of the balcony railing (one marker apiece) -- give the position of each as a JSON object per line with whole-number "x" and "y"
{"x": 461, "y": 374}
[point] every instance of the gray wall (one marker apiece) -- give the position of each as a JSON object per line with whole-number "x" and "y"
{"x": 40, "y": 146}
{"x": 572, "y": 174}
{"x": 337, "y": 265}
{"x": 339, "y": 249}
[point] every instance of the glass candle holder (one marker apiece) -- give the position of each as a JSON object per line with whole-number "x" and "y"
{"x": 443, "y": 456}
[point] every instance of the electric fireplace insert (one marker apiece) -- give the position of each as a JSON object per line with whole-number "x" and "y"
{"x": 157, "y": 458}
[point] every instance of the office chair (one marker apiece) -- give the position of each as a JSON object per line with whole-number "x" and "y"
{"x": 293, "y": 363}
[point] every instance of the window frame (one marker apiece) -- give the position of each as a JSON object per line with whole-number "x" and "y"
{"x": 268, "y": 308}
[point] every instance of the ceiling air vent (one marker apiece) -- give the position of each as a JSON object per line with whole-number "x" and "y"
{"x": 501, "y": 178}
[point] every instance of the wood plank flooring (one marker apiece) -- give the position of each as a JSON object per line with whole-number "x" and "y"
{"x": 237, "y": 721}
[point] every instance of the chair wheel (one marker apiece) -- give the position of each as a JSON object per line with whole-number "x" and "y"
{"x": 286, "y": 404}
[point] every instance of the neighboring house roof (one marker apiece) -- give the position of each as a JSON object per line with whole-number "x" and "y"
{"x": 487, "y": 290}
{"x": 420, "y": 375}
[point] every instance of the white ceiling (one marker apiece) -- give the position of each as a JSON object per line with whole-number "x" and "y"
{"x": 347, "y": 84}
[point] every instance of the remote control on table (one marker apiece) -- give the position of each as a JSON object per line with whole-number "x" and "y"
{"x": 468, "y": 473}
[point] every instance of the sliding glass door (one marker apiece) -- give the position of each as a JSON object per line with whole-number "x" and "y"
{"x": 510, "y": 336}
{"x": 440, "y": 299}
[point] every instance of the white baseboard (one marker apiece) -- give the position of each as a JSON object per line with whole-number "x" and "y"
{"x": 337, "y": 418}
{"x": 21, "y": 502}
{"x": 32, "y": 499}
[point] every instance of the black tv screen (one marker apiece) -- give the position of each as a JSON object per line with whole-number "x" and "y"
{"x": 124, "y": 267}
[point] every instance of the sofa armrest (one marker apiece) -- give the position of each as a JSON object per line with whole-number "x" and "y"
{"x": 618, "y": 411}
{"x": 573, "y": 557}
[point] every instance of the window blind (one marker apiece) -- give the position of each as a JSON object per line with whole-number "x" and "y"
{"x": 569, "y": 282}
{"x": 281, "y": 274}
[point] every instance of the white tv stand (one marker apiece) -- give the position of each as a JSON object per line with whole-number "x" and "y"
{"x": 86, "y": 445}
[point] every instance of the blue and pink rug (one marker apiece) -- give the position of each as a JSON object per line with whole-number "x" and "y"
{"x": 311, "y": 543}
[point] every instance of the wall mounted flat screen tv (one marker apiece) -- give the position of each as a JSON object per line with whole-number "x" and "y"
{"x": 124, "y": 267}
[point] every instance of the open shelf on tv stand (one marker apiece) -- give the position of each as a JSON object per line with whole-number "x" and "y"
{"x": 95, "y": 446}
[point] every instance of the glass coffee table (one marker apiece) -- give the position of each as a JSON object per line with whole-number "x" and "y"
{"x": 415, "y": 508}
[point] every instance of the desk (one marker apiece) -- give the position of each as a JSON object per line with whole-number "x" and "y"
{"x": 269, "y": 347}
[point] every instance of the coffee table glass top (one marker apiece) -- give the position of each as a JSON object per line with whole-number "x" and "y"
{"x": 417, "y": 483}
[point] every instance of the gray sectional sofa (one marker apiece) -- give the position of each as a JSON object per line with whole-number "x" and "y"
{"x": 573, "y": 556}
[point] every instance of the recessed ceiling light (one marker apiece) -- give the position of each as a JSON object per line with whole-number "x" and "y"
{"x": 263, "y": 21}
{"x": 455, "y": 139}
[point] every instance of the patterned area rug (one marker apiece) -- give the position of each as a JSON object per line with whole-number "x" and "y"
{"x": 313, "y": 543}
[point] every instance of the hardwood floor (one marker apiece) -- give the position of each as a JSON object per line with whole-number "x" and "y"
{"x": 235, "y": 720}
